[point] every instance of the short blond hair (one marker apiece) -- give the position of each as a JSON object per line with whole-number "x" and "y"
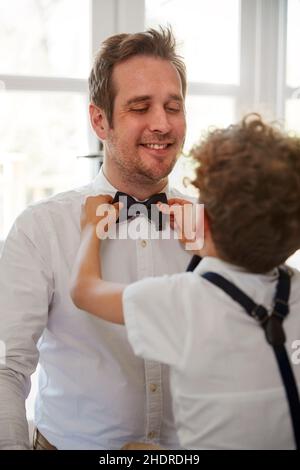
{"x": 120, "y": 47}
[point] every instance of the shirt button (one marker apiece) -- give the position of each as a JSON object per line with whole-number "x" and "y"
{"x": 143, "y": 243}
{"x": 153, "y": 387}
{"x": 151, "y": 435}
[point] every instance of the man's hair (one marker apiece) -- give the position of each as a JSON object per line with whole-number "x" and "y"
{"x": 116, "y": 49}
{"x": 248, "y": 176}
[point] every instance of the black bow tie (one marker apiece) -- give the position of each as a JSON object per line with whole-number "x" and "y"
{"x": 133, "y": 208}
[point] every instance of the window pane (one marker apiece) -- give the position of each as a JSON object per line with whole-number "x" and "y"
{"x": 207, "y": 111}
{"x": 40, "y": 136}
{"x": 292, "y": 114}
{"x": 293, "y": 44}
{"x": 202, "y": 112}
{"x": 44, "y": 37}
{"x": 209, "y": 33}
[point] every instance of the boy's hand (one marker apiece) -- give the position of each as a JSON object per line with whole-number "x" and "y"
{"x": 174, "y": 209}
{"x": 185, "y": 219}
{"x": 98, "y": 209}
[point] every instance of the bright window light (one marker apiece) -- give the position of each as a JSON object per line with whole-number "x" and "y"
{"x": 45, "y": 37}
{"x": 208, "y": 33}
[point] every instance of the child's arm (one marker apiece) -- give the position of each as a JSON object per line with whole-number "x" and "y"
{"x": 88, "y": 291}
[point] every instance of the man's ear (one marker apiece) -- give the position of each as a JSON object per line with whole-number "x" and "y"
{"x": 98, "y": 121}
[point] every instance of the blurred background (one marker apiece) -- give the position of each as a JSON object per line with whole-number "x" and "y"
{"x": 241, "y": 56}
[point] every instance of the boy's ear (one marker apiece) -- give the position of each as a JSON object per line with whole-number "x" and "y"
{"x": 98, "y": 121}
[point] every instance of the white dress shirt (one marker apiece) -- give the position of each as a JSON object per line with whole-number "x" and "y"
{"x": 225, "y": 381}
{"x": 93, "y": 393}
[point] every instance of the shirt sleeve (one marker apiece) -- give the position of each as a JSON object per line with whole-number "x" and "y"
{"x": 155, "y": 317}
{"x": 25, "y": 293}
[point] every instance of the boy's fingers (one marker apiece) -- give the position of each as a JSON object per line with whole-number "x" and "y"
{"x": 115, "y": 210}
{"x": 176, "y": 200}
{"x": 109, "y": 199}
{"x": 118, "y": 206}
{"x": 97, "y": 200}
{"x": 102, "y": 197}
{"x": 164, "y": 208}
{"x": 168, "y": 209}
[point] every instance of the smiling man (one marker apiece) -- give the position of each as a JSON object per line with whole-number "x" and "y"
{"x": 94, "y": 393}
{"x": 144, "y": 131}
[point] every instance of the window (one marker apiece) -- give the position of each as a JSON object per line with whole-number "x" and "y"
{"x": 41, "y": 135}
{"x": 45, "y": 38}
{"x": 213, "y": 72}
{"x": 44, "y": 64}
{"x": 197, "y": 24}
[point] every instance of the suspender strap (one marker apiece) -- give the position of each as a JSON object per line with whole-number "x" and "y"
{"x": 272, "y": 325}
{"x": 193, "y": 263}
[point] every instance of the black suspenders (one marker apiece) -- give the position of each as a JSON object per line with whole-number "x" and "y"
{"x": 195, "y": 260}
{"x": 275, "y": 336}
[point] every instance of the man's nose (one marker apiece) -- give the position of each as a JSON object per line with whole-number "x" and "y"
{"x": 159, "y": 121}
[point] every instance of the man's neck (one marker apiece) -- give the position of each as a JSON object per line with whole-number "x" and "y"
{"x": 134, "y": 188}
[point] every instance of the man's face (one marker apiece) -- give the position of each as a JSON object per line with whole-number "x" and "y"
{"x": 148, "y": 127}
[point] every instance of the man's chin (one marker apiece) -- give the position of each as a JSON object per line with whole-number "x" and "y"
{"x": 155, "y": 176}
{"x": 158, "y": 172}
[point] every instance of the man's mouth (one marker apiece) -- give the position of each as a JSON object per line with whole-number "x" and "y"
{"x": 156, "y": 146}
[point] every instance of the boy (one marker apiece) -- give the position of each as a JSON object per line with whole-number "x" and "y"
{"x": 226, "y": 386}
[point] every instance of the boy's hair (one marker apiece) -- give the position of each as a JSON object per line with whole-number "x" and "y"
{"x": 118, "y": 48}
{"x": 248, "y": 176}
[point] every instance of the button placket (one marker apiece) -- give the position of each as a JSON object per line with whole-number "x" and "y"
{"x": 153, "y": 375}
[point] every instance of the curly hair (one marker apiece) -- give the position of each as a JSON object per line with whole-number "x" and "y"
{"x": 248, "y": 176}
{"x": 120, "y": 47}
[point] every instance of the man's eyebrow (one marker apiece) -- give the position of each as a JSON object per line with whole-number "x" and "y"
{"x": 138, "y": 99}
{"x": 142, "y": 98}
{"x": 176, "y": 98}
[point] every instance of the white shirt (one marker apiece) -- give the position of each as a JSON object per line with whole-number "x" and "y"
{"x": 93, "y": 392}
{"x": 225, "y": 381}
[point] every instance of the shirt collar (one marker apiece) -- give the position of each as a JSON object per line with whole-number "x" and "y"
{"x": 101, "y": 185}
{"x": 209, "y": 263}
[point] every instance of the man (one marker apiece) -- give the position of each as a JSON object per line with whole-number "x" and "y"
{"x": 93, "y": 392}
